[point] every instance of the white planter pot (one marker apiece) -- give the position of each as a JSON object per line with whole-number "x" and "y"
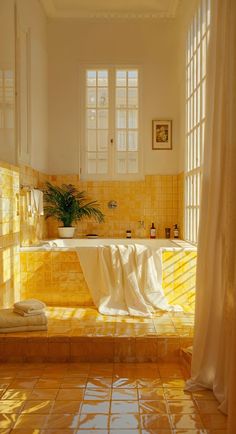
{"x": 66, "y": 232}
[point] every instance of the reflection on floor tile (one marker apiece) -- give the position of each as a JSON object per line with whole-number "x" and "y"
{"x": 134, "y": 398}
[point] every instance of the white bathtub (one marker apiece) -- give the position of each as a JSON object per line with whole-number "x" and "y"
{"x": 70, "y": 244}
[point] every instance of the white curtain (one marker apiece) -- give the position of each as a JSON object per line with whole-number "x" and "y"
{"x": 214, "y": 342}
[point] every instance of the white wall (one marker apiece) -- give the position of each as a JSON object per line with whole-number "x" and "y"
{"x": 32, "y": 16}
{"x": 152, "y": 44}
{"x": 7, "y": 61}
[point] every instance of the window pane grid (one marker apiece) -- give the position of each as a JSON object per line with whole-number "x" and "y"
{"x": 97, "y": 124}
{"x": 126, "y": 121}
{"x": 196, "y": 52}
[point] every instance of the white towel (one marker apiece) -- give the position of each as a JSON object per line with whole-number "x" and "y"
{"x": 125, "y": 279}
{"x": 30, "y": 305}
{"x": 37, "y": 202}
{"x": 23, "y": 313}
{"x": 11, "y": 320}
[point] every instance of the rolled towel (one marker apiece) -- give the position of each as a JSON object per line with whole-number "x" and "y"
{"x": 10, "y": 320}
{"x": 30, "y": 305}
{"x": 23, "y": 313}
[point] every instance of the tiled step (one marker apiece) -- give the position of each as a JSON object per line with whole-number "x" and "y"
{"x": 83, "y": 335}
{"x": 31, "y": 348}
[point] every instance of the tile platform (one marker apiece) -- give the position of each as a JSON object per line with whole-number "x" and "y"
{"x": 84, "y": 335}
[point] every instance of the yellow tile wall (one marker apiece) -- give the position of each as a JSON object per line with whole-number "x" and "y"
{"x": 155, "y": 199}
{"x": 9, "y": 234}
{"x": 57, "y": 279}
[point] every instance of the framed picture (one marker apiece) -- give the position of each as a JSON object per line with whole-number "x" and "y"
{"x": 161, "y": 135}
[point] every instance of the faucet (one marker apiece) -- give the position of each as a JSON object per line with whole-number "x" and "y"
{"x": 142, "y": 224}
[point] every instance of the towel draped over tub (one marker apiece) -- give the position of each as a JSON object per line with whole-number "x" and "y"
{"x": 124, "y": 279}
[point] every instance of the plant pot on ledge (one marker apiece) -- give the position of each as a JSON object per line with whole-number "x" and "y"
{"x": 66, "y": 232}
{"x": 68, "y": 205}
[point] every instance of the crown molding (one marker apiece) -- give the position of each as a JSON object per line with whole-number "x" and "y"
{"x": 53, "y": 12}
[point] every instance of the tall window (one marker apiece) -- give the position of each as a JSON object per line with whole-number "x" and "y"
{"x": 111, "y": 123}
{"x": 197, "y": 43}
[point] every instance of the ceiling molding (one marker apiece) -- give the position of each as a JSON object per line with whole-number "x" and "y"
{"x": 53, "y": 11}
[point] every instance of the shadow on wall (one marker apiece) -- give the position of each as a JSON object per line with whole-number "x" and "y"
{"x": 9, "y": 235}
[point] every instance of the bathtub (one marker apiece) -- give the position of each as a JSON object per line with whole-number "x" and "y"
{"x": 72, "y": 243}
{"x": 51, "y": 270}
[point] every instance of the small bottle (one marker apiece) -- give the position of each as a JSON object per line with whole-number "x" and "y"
{"x": 167, "y": 232}
{"x": 176, "y": 231}
{"x": 128, "y": 233}
{"x": 152, "y": 231}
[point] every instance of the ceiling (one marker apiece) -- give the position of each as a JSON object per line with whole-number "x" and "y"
{"x": 110, "y": 8}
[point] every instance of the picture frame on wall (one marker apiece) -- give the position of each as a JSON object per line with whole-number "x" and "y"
{"x": 161, "y": 135}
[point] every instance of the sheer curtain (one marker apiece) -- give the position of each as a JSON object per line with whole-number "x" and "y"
{"x": 214, "y": 342}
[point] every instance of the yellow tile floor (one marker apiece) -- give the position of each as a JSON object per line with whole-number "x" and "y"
{"x": 103, "y": 398}
{"x": 84, "y": 335}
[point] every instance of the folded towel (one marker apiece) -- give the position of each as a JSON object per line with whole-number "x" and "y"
{"x": 29, "y": 305}
{"x": 23, "y": 329}
{"x": 23, "y": 313}
{"x": 9, "y": 319}
{"x": 37, "y": 202}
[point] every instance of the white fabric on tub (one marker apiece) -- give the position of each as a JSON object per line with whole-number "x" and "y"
{"x": 124, "y": 279}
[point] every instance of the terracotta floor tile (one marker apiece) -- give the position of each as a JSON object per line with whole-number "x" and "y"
{"x": 208, "y": 407}
{"x": 7, "y": 420}
{"x": 23, "y": 383}
{"x": 183, "y": 406}
{"x": 155, "y": 421}
{"x": 30, "y": 421}
{"x": 48, "y": 383}
{"x": 125, "y": 421}
{"x": 124, "y": 383}
{"x": 37, "y": 407}
{"x": 164, "y": 431}
{"x": 124, "y": 431}
{"x": 93, "y": 421}
{"x": 172, "y": 393}
{"x": 101, "y": 370}
{"x": 57, "y": 431}
{"x": 97, "y": 394}
{"x": 73, "y": 382}
{"x": 62, "y": 421}
{"x": 43, "y": 394}
{"x": 156, "y": 407}
{"x": 100, "y": 407}
{"x": 122, "y": 407}
{"x": 186, "y": 421}
{"x": 214, "y": 421}
{"x": 18, "y": 394}
{"x": 124, "y": 394}
{"x": 70, "y": 394}
{"x": 99, "y": 383}
{"x": 9, "y": 406}
{"x": 91, "y": 431}
{"x": 66, "y": 407}
{"x": 151, "y": 393}
{"x": 149, "y": 382}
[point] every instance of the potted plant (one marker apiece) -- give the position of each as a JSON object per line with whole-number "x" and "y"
{"x": 68, "y": 205}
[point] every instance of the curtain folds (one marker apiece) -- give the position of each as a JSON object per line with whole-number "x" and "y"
{"x": 214, "y": 341}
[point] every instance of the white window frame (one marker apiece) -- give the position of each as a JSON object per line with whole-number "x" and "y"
{"x": 196, "y": 54}
{"x": 111, "y": 176}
